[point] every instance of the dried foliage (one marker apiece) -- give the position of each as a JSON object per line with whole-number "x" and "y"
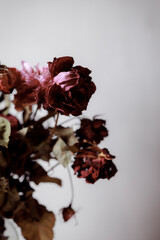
{"x": 60, "y": 89}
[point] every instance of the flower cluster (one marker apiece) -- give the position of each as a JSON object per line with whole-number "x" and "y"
{"x": 60, "y": 89}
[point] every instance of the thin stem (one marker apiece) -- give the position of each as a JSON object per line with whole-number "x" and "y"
{"x": 71, "y": 183}
{"x": 35, "y": 113}
{"x": 68, "y": 120}
{"x": 50, "y": 136}
{"x": 57, "y": 164}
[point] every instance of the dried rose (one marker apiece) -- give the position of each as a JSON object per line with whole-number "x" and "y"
{"x": 67, "y": 213}
{"x": 62, "y": 64}
{"x": 92, "y": 130}
{"x": 8, "y": 78}
{"x": 93, "y": 165}
{"x": 30, "y": 80}
{"x": 71, "y": 88}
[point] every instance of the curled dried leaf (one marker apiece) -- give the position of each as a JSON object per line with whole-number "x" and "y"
{"x": 62, "y": 152}
{"x": 35, "y": 220}
{"x": 38, "y": 175}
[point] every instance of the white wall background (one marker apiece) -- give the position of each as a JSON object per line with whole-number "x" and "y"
{"x": 119, "y": 41}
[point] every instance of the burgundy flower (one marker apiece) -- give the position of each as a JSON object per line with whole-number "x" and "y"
{"x": 67, "y": 213}
{"x": 92, "y": 130}
{"x": 30, "y": 80}
{"x": 15, "y": 125}
{"x": 93, "y": 165}
{"x": 62, "y": 64}
{"x": 70, "y": 90}
{"x": 8, "y": 78}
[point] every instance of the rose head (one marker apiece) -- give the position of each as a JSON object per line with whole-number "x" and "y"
{"x": 70, "y": 90}
{"x": 92, "y": 165}
{"x": 8, "y": 78}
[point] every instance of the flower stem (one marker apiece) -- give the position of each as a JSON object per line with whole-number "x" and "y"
{"x": 71, "y": 183}
{"x": 57, "y": 164}
{"x": 50, "y": 136}
{"x": 68, "y": 120}
{"x": 34, "y": 115}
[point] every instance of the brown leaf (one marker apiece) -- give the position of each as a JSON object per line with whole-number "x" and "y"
{"x": 38, "y": 175}
{"x": 38, "y": 142}
{"x": 12, "y": 198}
{"x": 37, "y": 226}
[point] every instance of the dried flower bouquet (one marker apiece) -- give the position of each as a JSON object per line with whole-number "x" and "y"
{"x": 61, "y": 89}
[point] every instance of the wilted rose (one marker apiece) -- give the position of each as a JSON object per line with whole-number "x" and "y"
{"x": 8, "y": 78}
{"x": 71, "y": 89}
{"x": 93, "y": 165}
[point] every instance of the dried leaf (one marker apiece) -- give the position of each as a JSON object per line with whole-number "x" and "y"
{"x": 5, "y": 132}
{"x": 12, "y": 199}
{"x": 62, "y": 152}
{"x": 38, "y": 142}
{"x": 38, "y": 175}
{"x": 23, "y": 131}
{"x": 66, "y": 134}
{"x": 35, "y": 221}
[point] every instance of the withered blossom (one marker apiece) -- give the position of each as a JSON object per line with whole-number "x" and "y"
{"x": 71, "y": 89}
{"x": 9, "y": 78}
{"x": 93, "y": 165}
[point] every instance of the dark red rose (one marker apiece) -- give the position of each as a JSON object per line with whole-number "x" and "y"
{"x": 93, "y": 165}
{"x": 15, "y": 125}
{"x": 92, "y": 130}
{"x": 8, "y": 78}
{"x": 71, "y": 89}
{"x": 67, "y": 213}
{"x": 61, "y": 64}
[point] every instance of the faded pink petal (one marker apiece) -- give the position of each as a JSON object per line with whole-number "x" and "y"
{"x": 67, "y": 80}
